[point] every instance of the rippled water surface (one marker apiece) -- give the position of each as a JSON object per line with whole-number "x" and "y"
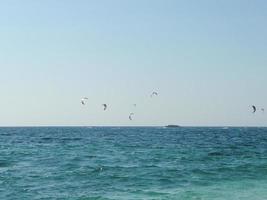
{"x": 133, "y": 163}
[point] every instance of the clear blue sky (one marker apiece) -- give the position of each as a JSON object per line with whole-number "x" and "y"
{"x": 207, "y": 59}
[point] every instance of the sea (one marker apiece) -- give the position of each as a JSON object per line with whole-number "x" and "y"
{"x": 121, "y": 163}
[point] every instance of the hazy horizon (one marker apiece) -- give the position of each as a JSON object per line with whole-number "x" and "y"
{"x": 207, "y": 60}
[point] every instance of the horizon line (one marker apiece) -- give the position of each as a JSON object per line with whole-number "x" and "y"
{"x": 131, "y": 126}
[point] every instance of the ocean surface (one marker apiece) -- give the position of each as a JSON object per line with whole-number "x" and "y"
{"x": 133, "y": 163}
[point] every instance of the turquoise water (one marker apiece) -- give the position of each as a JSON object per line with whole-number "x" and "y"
{"x": 133, "y": 163}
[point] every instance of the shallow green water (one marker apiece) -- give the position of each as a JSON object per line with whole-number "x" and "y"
{"x": 133, "y": 163}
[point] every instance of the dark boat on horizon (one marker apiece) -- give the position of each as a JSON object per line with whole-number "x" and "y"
{"x": 172, "y": 126}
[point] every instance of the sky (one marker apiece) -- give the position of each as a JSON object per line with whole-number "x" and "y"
{"x": 207, "y": 60}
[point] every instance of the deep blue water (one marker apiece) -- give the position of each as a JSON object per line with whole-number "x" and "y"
{"x": 133, "y": 163}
